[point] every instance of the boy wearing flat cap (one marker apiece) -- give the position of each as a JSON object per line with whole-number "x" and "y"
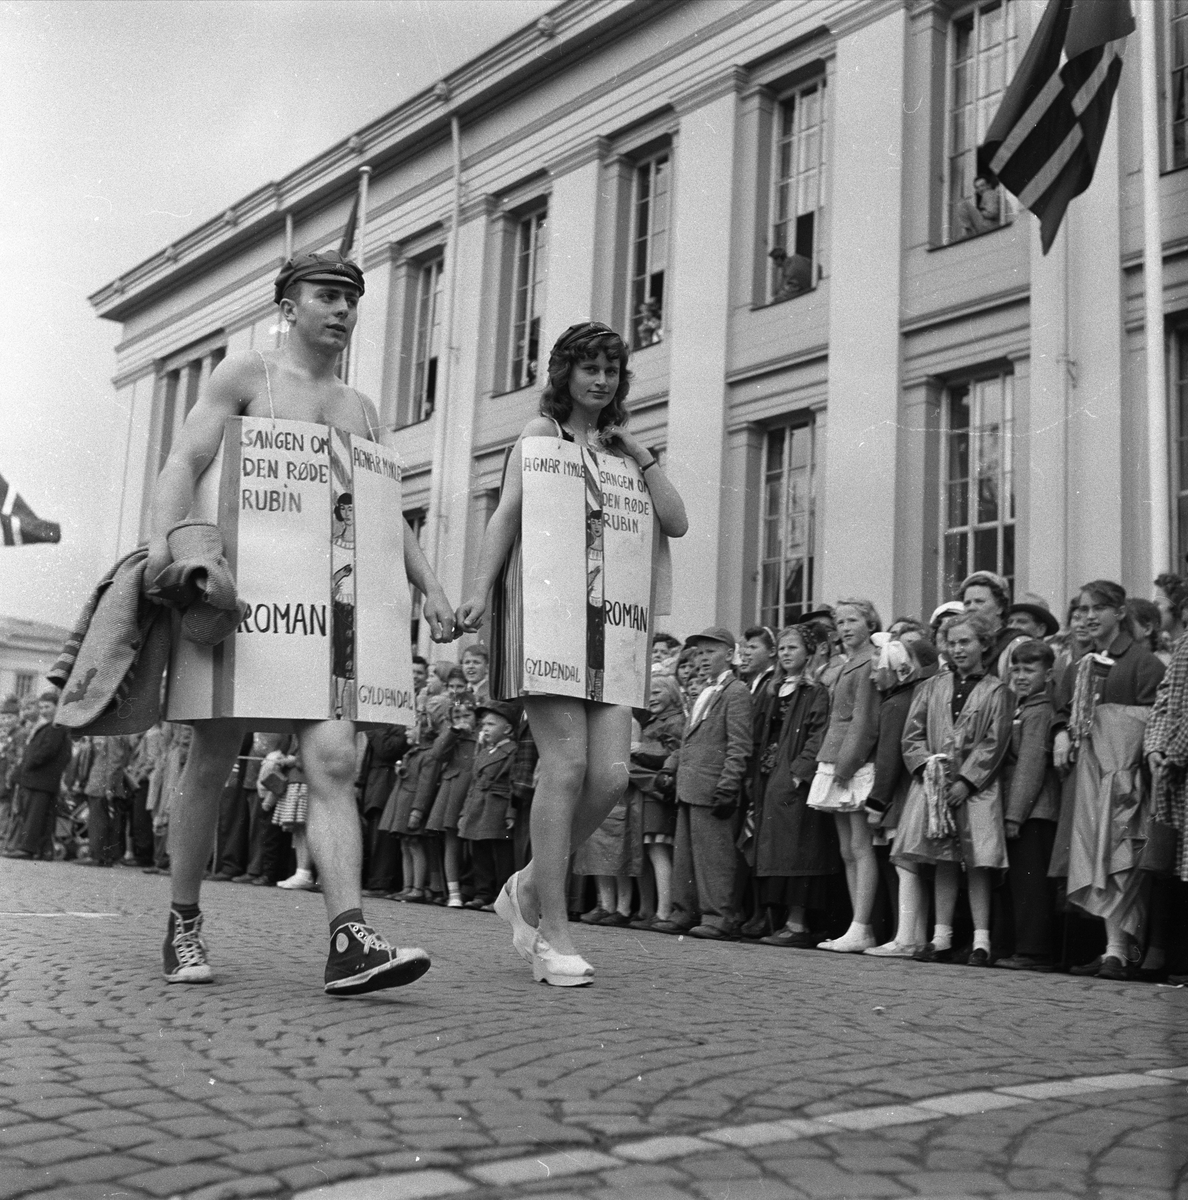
{"x": 710, "y": 766}
{"x": 318, "y": 295}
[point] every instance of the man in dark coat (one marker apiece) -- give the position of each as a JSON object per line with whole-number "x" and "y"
{"x": 47, "y": 754}
{"x": 710, "y": 766}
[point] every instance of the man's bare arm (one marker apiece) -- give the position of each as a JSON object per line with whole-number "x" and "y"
{"x": 226, "y": 394}
{"x": 437, "y": 610}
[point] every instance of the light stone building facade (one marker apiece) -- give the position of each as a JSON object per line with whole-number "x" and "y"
{"x": 898, "y": 394}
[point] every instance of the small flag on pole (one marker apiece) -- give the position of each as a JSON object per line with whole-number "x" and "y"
{"x": 1044, "y": 141}
{"x": 348, "y": 234}
{"x": 19, "y": 525}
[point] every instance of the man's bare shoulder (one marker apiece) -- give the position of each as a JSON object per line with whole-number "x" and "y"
{"x": 235, "y": 382}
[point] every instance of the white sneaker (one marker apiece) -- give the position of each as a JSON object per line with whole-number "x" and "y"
{"x": 454, "y": 902}
{"x": 299, "y": 881}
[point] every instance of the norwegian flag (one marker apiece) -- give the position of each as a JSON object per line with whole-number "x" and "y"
{"x": 19, "y": 525}
{"x": 1044, "y": 141}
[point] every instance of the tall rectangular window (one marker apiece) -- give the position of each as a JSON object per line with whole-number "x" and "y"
{"x": 1178, "y": 379}
{"x": 787, "y": 533}
{"x": 983, "y": 51}
{"x": 798, "y": 201}
{"x": 1177, "y": 68}
{"x": 426, "y": 341}
{"x": 978, "y": 506}
{"x": 649, "y": 250}
{"x": 22, "y": 684}
{"x": 527, "y": 299}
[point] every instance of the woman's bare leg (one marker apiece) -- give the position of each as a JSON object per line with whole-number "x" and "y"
{"x": 661, "y": 856}
{"x": 584, "y": 750}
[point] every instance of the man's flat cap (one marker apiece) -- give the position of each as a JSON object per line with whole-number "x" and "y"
{"x": 327, "y": 267}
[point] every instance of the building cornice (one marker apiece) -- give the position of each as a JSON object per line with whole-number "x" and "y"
{"x": 590, "y": 151}
{"x": 732, "y": 80}
{"x": 574, "y": 28}
{"x": 966, "y": 309}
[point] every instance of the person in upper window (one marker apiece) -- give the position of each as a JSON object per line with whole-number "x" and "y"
{"x": 981, "y": 212}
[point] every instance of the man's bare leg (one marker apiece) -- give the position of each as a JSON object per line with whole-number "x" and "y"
{"x": 194, "y": 817}
{"x": 193, "y": 821}
{"x": 360, "y": 960}
{"x": 332, "y": 822}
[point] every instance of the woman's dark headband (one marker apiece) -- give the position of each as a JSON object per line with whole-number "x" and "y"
{"x": 581, "y": 331}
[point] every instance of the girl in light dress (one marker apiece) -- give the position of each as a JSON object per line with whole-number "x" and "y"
{"x": 584, "y": 745}
{"x": 845, "y": 770}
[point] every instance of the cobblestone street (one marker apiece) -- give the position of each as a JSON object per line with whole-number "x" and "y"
{"x": 689, "y": 1069}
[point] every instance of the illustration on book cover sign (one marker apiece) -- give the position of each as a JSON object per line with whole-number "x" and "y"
{"x": 588, "y": 531}
{"x": 313, "y": 529}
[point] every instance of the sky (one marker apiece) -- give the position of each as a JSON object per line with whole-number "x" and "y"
{"x": 123, "y": 125}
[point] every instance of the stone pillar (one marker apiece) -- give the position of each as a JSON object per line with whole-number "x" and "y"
{"x": 742, "y": 496}
{"x": 371, "y": 334}
{"x": 469, "y": 326}
{"x": 572, "y": 250}
{"x": 1096, "y": 447}
{"x": 699, "y": 300}
{"x": 866, "y": 191}
{"x": 917, "y": 499}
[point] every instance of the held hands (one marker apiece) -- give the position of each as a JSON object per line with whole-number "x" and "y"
{"x": 440, "y": 615}
{"x": 470, "y": 614}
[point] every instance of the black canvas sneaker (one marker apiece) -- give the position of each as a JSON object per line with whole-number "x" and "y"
{"x": 185, "y": 952}
{"x": 362, "y": 961}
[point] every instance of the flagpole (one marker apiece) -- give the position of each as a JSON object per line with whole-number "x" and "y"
{"x": 360, "y": 260}
{"x": 1157, "y": 431}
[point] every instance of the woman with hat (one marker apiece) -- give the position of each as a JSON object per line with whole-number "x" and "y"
{"x": 584, "y": 745}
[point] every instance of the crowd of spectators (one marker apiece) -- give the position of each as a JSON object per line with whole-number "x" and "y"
{"x": 990, "y": 786}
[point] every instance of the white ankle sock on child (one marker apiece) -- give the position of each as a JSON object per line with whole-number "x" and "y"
{"x": 942, "y": 937}
{"x": 982, "y": 940}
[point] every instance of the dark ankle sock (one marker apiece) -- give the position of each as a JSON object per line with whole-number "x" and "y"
{"x": 186, "y": 911}
{"x": 344, "y": 918}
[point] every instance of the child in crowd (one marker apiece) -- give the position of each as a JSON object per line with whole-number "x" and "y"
{"x": 290, "y": 814}
{"x": 660, "y": 736}
{"x": 453, "y": 751}
{"x": 1101, "y": 713}
{"x": 487, "y": 819}
{"x": 710, "y": 766}
{"x": 474, "y": 671}
{"x": 845, "y": 769}
{"x": 1147, "y": 622}
{"x": 787, "y": 843}
{"x": 953, "y": 744}
{"x": 416, "y": 777}
{"x": 1032, "y": 790}
{"x": 665, "y": 651}
{"x": 758, "y": 655}
{"x": 902, "y": 667}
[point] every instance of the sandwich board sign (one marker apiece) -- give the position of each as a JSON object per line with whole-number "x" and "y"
{"x": 313, "y": 530}
{"x": 587, "y": 529}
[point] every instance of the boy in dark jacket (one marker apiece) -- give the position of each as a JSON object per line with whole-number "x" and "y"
{"x": 487, "y": 817}
{"x": 1032, "y": 790}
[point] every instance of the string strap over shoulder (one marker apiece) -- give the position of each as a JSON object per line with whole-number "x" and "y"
{"x": 267, "y": 384}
